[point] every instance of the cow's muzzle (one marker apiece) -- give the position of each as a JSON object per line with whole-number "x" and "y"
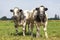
{"x": 15, "y": 17}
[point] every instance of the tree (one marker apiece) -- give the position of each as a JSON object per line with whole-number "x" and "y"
{"x": 4, "y": 18}
{"x": 56, "y": 17}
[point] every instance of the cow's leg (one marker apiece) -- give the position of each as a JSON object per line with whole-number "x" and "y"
{"x": 45, "y": 30}
{"x": 31, "y": 27}
{"x": 24, "y": 25}
{"x": 16, "y": 28}
{"x": 38, "y": 30}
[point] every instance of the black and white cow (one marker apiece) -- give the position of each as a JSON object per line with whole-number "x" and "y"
{"x": 19, "y": 19}
{"x": 40, "y": 18}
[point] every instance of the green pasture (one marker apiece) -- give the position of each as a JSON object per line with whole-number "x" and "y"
{"x": 7, "y": 31}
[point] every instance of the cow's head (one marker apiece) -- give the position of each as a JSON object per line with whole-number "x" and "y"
{"x": 16, "y": 12}
{"x": 41, "y": 10}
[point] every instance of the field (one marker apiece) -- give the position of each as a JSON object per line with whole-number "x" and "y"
{"x": 7, "y": 31}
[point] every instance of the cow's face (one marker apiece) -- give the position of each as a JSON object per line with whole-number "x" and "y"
{"x": 41, "y": 10}
{"x": 16, "y": 12}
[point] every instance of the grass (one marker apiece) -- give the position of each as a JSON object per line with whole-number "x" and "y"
{"x": 7, "y": 31}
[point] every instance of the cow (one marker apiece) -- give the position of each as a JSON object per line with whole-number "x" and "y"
{"x": 40, "y": 18}
{"x": 29, "y": 20}
{"x": 19, "y": 19}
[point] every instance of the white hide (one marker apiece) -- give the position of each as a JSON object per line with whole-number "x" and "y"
{"x": 26, "y": 14}
{"x": 16, "y": 11}
{"x": 41, "y": 8}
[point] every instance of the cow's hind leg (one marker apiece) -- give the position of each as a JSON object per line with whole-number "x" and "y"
{"x": 29, "y": 28}
{"x": 45, "y": 30}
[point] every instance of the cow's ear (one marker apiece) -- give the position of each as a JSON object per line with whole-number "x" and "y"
{"x": 20, "y": 10}
{"x": 11, "y": 10}
{"x": 37, "y": 9}
{"x": 46, "y": 9}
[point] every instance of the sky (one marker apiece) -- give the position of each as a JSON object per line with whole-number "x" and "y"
{"x": 52, "y": 5}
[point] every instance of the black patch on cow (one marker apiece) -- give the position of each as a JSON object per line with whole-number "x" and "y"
{"x": 20, "y": 10}
{"x": 37, "y": 9}
{"x": 40, "y": 19}
{"x": 41, "y": 6}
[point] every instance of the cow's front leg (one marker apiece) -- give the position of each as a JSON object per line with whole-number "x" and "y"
{"x": 16, "y": 28}
{"x": 38, "y": 30}
{"x": 45, "y": 30}
{"x": 24, "y": 25}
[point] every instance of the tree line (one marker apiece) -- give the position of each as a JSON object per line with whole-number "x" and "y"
{"x": 5, "y": 18}
{"x": 56, "y": 17}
